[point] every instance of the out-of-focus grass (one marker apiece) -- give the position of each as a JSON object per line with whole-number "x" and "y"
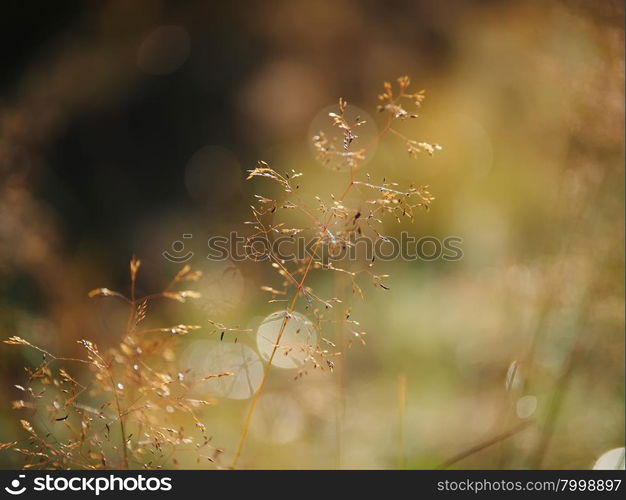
{"x": 529, "y": 110}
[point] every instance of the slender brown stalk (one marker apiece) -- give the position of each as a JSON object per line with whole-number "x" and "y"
{"x": 268, "y": 365}
{"x": 402, "y": 421}
{"x": 484, "y": 445}
{"x": 291, "y": 309}
{"x": 121, "y": 419}
{"x": 341, "y": 383}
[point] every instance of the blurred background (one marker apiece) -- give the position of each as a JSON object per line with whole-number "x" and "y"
{"x": 124, "y": 125}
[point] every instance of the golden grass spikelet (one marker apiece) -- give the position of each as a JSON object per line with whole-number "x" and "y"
{"x": 27, "y": 427}
{"x": 16, "y": 341}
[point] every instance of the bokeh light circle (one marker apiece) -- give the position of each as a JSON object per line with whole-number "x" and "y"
{"x": 296, "y": 344}
{"x": 526, "y": 406}
{"x": 611, "y": 460}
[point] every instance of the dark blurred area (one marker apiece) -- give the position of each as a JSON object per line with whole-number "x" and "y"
{"x": 124, "y": 125}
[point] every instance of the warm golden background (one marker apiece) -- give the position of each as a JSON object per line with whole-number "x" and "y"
{"x": 124, "y": 125}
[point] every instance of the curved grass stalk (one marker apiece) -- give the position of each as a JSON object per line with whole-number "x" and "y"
{"x": 299, "y": 288}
